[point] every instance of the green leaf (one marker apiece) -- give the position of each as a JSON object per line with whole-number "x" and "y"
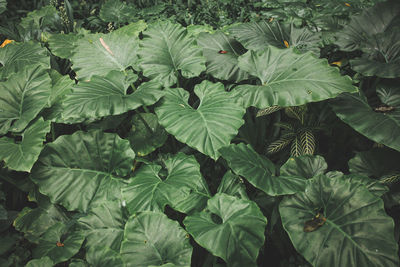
{"x": 267, "y": 111}
{"x": 258, "y": 35}
{"x": 3, "y": 6}
{"x": 352, "y": 214}
{"x": 22, "y": 97}
{"x": 375, "y": 163}
{"x": 307, "y": 140}
{"x": 374, "y": 20}
{"x": 103, "y": 225}
{"x": 183, "y": 188}
{"x": 146, "y": 134}
{"x": 230, "y": 228}
{"x": 42, "y": 19}
{"x": 376, "y": 187}
{"x": 289, "y": 79}
{"x": 222, "y": 66}
{"x": 58, "y": 244}
{"x": 151, "y": 238}
{"x": 99, "y": 256}
{"x": 132, "y": 29}
{"x": 21, "y": 156}
{"x": 42, "y": 262}
{"x": 233, "y": 185}
{"x": 383, "y": 57}
{"x": 98, "y": 54}
{"x": 260, "y": 171}
{"x": 306, "y": 166}
{"x": 92, "y": 162}
{"x": 279, "y": 144}
{"x": 117, "y": 11}
{"x": 107, "y": 95}
{"x": 16, "y": 56}
{"x": 209, "y": 127}
{"x": 34, "y": 222}
{"x": 166, "y": 48}
{"x": 382, "y": 128}
{"x": 63, "y": 45}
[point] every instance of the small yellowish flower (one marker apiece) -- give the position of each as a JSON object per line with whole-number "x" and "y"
{"x": 337, "y": 63}
{"x": 6, "y": 42}
{"x": 347, "y": 4}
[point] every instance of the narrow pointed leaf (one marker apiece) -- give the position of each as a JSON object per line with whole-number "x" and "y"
{"x": 83, "y": 169}
{"x": 209, "y": 127}
{"x": 151, "y": 238}
{"x": 166, "y": 49}
{"x": 352, "y": 214}
{"x": 289, "y": 79}
{"x": 260, "y": 171}
{"x": 307, "y": 140}
{"x": 238, "y": 236}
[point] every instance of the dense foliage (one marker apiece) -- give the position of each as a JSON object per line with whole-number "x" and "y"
{"x": 200, "y": 133}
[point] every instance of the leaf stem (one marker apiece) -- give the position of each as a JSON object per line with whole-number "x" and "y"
{"x": 146, "y": 125}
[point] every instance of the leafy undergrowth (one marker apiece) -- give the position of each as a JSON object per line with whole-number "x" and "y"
{"x": 200, "y": 133}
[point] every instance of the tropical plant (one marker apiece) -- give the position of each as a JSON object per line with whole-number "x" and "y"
{"x": 199, "y": 133}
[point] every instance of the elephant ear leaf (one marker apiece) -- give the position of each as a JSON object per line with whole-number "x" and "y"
{"x": 211, "y": 126}
{"x": 151, "y": 238}
{"x": 21, "y": 156}
{"x": 306, "y": 166}
{"x": 289, "y": 79}
{"x": 94, "y": 162}
{"x": 260, "y": 171}
{"x": 22, "y": 97}
{"x": 333, "y": 213}
{"x": 222, "y": 52}
{"x": 230, "y": 228}
{"x": 378, "y": 124}
{"x": 15, "y": 57}
{"x": 98, "y": 54}
{"x": 166, "y": 50}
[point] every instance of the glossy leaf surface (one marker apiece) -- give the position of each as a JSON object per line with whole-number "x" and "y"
{"x": 238, "y": 233}
{"x": 151, "y": 238}
{"x": 211, "y": 126}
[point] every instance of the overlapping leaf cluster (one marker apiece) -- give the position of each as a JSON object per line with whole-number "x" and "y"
{"x": 155, "y": 139}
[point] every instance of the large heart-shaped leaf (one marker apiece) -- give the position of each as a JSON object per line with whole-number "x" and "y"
{"x": 209, "y": 127}
{"x": 306, "y": 166}
{"x": 146, "y": 134}
{"x": 151, "y": 238}
{"x": 259, "y": 35}
{"x": 183, "y": 188}
{"x": 99, "y": 256}
{"x": 375, "y": 163}
{"x": 260, "y": 171}
{"x": 383, "y": 128}
{"x": 22, "y": 97}
{"x": 16, "y": 56}
{"x": 222, "y": 52}
{"x": 374, "y": 20}
{"x": 352, "y": 214}
{"x": 42, "y": 262}
{"x": 233, "y": 185}
{"x": 83, "y": 169}
{"x": 98, "y": 54}
{"x": 230, "y": 228}
{"x": 104, "y": 225}
{"x": 107, "y": 95}
{"x": 35, "y": 222}
{"x": 167, "y": 49}
{"x": 63, "y": 45}
{"x": 21, "y": 156}
{"x": 117, "y": 11}
{"x": 289, "y": 79}
{"x": 382, "y": 58}
{"x": 58, "y": 243}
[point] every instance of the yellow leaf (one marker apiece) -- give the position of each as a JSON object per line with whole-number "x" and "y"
{"x": 6, "y": 42}
{"x": 286, "y": 43}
